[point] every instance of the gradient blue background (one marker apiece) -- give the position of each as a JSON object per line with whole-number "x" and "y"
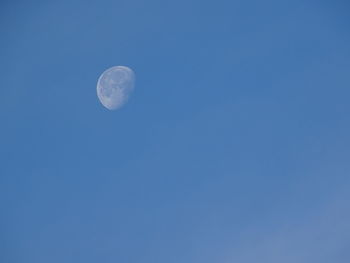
{"x": 234, "y": 147}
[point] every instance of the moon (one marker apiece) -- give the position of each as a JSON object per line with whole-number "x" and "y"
{"x": 114, "y": 86}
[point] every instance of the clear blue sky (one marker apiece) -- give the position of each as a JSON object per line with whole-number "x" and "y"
{"x": 234, "y": 147}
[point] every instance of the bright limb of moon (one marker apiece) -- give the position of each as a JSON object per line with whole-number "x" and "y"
{"x": 114, "y": 86}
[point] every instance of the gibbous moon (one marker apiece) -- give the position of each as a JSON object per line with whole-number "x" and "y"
{"x": 115, "y": 86}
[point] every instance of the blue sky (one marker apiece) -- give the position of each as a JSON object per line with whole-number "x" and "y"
{"x": 234, "y": 146}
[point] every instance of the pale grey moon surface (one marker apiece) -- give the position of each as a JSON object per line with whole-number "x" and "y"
{"x": 114, "y": 86}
